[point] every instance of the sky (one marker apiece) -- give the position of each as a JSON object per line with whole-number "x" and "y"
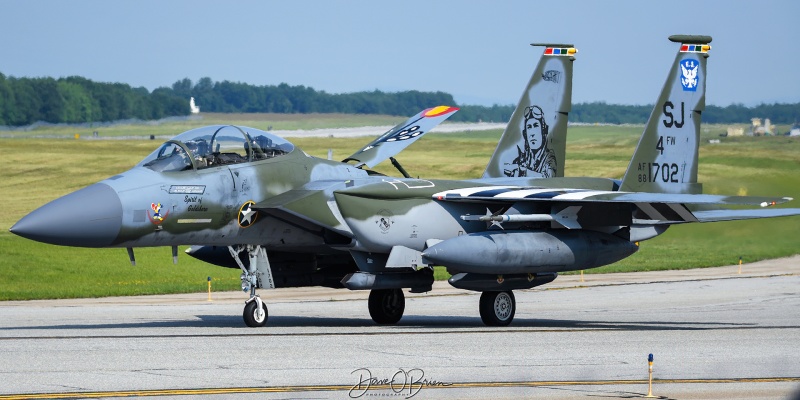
{"x": 478, "y": 51}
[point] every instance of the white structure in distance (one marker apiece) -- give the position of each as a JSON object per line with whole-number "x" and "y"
{"x": 195, "y": 109}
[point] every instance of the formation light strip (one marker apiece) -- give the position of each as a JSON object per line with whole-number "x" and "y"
{"x": 695, "y": 48}
{"x": 560, "y": 51}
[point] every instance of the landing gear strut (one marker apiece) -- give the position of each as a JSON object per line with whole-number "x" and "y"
{"x": 497, "y": 308}
{"x": 257, "y": 274}
{"x": 386, "y": 306}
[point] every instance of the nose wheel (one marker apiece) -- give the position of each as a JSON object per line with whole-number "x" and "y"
{"x": 255, "y": 313}
{"x": 386, "y": 306}
{"x": 497, "y": 308}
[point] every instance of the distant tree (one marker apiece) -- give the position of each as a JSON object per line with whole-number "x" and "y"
{"x": 27, "y": 104}
{"x": 76, "y": 99}
{"x": 165, "y": 103}
{"x": 78, "y": 104}
{"x": 205, "y": 96}
{"x": 183, "y": 88}
{"x": 6, "y": 99}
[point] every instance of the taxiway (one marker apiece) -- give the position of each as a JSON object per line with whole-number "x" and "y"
{"x": 714, "y": 333}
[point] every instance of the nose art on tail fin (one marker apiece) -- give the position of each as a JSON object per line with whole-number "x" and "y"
{"x": 534, "y": 142}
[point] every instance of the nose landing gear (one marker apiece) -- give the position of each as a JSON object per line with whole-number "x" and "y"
{"x": 256, "y": 275}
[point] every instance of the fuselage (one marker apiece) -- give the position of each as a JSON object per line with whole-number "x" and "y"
{"x": 230, "y": 186}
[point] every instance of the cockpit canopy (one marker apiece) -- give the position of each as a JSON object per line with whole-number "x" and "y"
{"x": 215, "y": 145}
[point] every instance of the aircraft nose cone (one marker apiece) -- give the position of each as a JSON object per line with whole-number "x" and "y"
{"x": 90, "y": 217}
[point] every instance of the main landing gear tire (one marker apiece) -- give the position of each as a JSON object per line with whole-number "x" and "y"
{"x": 497, "y": 308}
{"x": 252, "y": 317}
{"x": 386, "y": 306}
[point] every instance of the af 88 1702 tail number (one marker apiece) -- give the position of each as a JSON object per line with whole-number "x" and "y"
{"x": 658, "y": 172}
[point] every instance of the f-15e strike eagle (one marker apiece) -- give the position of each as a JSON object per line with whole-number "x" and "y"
{"x": 244, "y": 198}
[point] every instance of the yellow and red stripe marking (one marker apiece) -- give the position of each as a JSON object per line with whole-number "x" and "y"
{"x": 439, "y": 110}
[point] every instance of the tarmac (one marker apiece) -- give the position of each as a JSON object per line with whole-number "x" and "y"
{"x": 714, "y": 333}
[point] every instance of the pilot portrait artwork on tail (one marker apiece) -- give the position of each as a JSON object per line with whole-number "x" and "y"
{"x": 536, "y": 159}
{"x": 533, "y": 145}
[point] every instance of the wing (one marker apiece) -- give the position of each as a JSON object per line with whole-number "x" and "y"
{"x": 401, "y": 136}
{"x": 514, "y": 194}
{"x": 607, "y": 208}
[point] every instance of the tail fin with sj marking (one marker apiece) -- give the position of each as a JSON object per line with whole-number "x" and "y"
{"x": 534, "y": 142}
{"x": 665, "y": 160}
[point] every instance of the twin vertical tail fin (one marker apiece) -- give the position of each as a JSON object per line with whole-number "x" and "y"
{"x": 534, "y": 142}
{"x": 665, "y": 160}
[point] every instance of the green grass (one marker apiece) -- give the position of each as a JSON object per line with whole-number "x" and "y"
{"x": 39, "y": 170}
{"x": 31, "y": 270}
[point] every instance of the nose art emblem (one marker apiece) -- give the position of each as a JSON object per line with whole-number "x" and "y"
{"x": 157, "y": 217}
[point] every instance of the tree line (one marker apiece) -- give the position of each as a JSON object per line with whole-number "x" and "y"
{"x": 732, "y": 114}
{"x": 24, "y": 101}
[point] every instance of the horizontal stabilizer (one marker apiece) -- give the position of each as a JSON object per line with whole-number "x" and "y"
{"x": 733, "y": 215}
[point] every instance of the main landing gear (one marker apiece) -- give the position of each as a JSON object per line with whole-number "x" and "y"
{"x": 497, "y": 308}
{"x": 386, "y": 306}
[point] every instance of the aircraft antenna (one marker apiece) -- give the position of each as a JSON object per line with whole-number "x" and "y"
{"x": 399, "y": 167}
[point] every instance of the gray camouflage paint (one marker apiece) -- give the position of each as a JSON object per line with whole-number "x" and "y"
{"x": 300, "y": 205}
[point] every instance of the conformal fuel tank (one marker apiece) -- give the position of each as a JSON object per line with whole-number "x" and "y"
{"x": 516, "y": 252}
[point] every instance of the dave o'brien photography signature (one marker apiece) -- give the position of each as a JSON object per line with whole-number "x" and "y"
{"x": 406, "y": 383}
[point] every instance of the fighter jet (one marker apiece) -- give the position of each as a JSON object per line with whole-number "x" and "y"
{"x": 244, "y": 198}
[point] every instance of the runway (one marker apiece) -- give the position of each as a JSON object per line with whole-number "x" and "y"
{"x": 714, "y": 333}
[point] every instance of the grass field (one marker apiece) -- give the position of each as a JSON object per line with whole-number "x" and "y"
{"x": 40, "y": 170}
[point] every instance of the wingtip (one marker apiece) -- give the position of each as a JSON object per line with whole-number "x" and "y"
{"x": 439, "y": 110}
